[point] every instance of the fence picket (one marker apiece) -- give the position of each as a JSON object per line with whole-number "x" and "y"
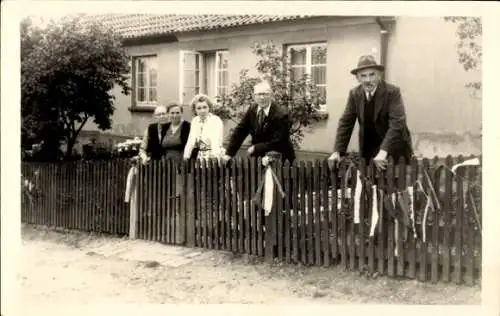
{"x": 209, "y": 213}
{"x": 234, "y": 207}
{"x": 382, "y": 226}
{"x": 351, "y": 232}
{"x": 246, "y": 204}
{"x": 252, "y": 208}
{"x": 372, "y": 175}
{"x": 278, "y": 207}
{"x": 360, "y": 232}
{"x": 327, "y": 216}
{"x": 435, "y": 244}
{"x": 392, "y": 242}
{"x": 411, "y": 178}
{"x": 260, "y": 219}
{"x": 469, "y": 227}
{"x": 317, "y": 203}
{"x": 342, "y": 232}
{"x": 403, "y": 230}
{"x": 295, "y": 212}
{"x": 302, "y": 215}
{"x": 227, "y": 208}
{"x": 309, "y": 214}
{"x": 240, "y": 205}
{"x": 215, "y": 202}
{"x": 287, "y": 220}
{"x": 459, "y": 224}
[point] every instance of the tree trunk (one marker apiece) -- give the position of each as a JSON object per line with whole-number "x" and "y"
{"x": 69, "y": 147}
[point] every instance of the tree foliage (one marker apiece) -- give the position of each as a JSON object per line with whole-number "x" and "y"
{"x": 68, "y": 70}
{"x": 470, "y": 48}
{"x": 297, "y": 93}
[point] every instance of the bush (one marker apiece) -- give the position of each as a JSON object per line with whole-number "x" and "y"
{"x": 297, "y": 93}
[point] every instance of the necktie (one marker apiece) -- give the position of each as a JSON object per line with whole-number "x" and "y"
{"x": 260, "y": 118}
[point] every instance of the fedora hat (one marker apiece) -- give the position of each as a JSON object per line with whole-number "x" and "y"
{"x": 365, "y": 62}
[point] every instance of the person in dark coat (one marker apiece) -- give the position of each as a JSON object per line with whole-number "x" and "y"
{"x": 380, "y": 111}
{"x": 168, "y": 136}
{"x": 267, "y": 123}
{"x": 269, "y": 126}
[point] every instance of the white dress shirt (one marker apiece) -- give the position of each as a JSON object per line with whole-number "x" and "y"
{"x": 209, "y": 133}
{"x": 369, "y": 95}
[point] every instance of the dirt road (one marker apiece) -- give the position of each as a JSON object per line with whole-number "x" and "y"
{"x": 81, "y": 268}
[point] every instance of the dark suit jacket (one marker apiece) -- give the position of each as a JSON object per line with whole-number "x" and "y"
{"x": 154, "y": 146}
{"x": 273, "y": 136}
{"x": 389, "y": 119}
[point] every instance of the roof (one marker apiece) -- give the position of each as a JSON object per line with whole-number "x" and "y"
{"x": 145, "y": 25}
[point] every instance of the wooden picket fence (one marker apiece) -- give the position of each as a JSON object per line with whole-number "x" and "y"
{"x": 210, "y": 206}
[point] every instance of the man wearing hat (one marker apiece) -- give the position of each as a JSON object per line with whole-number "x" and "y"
{"x": 379, "y": 109}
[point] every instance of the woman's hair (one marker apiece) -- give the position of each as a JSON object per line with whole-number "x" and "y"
{"x": 202, "y": 98}
{"x": 172, "y": 105}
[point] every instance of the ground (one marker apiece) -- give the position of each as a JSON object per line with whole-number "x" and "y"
{"x": 83, "y": 268}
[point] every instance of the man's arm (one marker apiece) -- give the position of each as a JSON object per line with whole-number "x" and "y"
{"x": 144, "y": 144}
{"x": 239, "y": 134}
{"x": 397, "y": 121}
{"x": 346, "y": 125}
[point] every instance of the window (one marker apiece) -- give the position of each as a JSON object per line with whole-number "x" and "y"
{"x": 203, "y": 72}
{"x": 145, "y": 80}
{"x": 222, "y": 74}
{"x": 310, "y": 59}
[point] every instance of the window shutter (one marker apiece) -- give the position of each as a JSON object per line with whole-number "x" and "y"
{"x": 190, "y": 75}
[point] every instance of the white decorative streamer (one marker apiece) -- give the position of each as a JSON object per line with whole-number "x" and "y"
{"x": 412, "y": 211}
{"x": 131, "y": 197}
{"x": 268, "y": 191}
{"x": 428, "y": 205}
{"x": 470, "y": 162}
{"x": 396, "y": 225}
{"x": 374, "y": 211}
{"x": 357, "y": 197}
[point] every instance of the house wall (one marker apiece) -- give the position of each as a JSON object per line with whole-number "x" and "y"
{"x": 442, "y": 115}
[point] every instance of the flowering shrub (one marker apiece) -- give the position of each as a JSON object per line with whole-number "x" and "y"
{"x": 128, "y": 148}
{"x": 297, "y": 93}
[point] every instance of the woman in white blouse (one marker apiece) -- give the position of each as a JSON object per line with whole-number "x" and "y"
{"x": 207, "y": 129}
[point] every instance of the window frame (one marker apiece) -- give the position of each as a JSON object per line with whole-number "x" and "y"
{"x": 201, "y": 72}
{"x": 135, "y": 79}
{"x": 218, "y": 71}
{"x": 308, "y": 64}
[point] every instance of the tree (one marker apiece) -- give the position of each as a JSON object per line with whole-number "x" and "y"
{"x": 298, "y": 93}
{"x": 470, "y": 49}
{"x": 68, "y": 69}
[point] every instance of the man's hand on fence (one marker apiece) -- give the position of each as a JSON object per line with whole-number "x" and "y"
{"x": 334, "y": 159}
{"x": 145, "y": 160}
{"x": 251, "y": 149}
{"x": 381, "y": 160}
{"x": 226, "y": 158}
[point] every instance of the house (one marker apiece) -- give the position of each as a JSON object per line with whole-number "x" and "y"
{"x": 176, "y": 56}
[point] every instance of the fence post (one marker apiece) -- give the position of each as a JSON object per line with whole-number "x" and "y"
{"x": 187, "y": 202}
{"x": 180, "y": 214}
{"x": 271, "y": 222}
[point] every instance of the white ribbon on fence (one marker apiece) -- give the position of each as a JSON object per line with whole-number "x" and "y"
{"x": 396, "y": 225}
{"x": 374, "y": 210}
{"x": 470, "y": 162}
{"x": 268, "y": 190}
{"x": 131, "y": 197}
{"x": 357, "y": 197}
{"x": 412, "y": 211}
{"x": 264, "y": 195}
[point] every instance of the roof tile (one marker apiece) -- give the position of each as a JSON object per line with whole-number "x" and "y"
{"x": 144, "y": 25}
